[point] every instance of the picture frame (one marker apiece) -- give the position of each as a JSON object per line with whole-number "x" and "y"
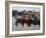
{"x": 23, "y": 33}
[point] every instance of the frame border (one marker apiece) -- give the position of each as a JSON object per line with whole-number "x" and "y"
{"x": 7, "y": 19}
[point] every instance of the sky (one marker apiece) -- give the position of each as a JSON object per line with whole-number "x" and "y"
{"x": 37, "y": 9}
